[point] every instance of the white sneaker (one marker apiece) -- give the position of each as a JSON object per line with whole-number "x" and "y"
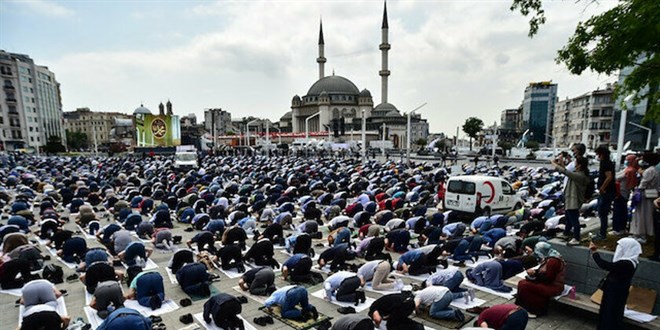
{"x": 573, "y": 242}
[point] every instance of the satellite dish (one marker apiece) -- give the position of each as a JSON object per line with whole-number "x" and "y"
{"x": 626, "y": 146}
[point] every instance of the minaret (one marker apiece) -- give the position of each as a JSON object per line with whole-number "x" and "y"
{"x": 384, "y": 48}
{"x": 321, "y": 59}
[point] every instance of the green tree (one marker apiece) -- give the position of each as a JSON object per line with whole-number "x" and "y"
{"x": 421, "y": 142}
{"x": 54, "y": 145}
{"x": 472, "y": 127}
{"x": 533, "y": 145}
{"x": 624, "y": 36}
{"x": 506, "y": 146}
{"x": 76, "y": 140}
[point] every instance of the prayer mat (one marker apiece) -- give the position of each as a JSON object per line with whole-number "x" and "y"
{"x": 359, "y": 308}
{"x": 211, "y": 326}
{"x": 167, "y": 306}
{"x": 275, "y": 313}
{"x": 260, "y": 299}
{"x": 450, "y": 324}
{"x": 306, "y": 285}
{"x": 195, "y": 297}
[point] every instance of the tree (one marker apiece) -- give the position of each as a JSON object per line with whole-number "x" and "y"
{"x": 421, "y": 142}
{"x": 624, "y": 36}
{"x": 472, "y": 127}
{"x": 534, "y": 145}
{"x": 76, "y": 140}
{"x": 506, "y": 146}
{"x": 54, "y": 145}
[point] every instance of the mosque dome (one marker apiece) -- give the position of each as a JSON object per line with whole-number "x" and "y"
{"x": 365, "y": 93}
{"x": 386, "y": 110}
{"x": 141, "y": 110}
{"x": 333, "y": 85}
{"x": 296, "y": 98}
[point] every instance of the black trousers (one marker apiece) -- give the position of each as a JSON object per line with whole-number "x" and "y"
{"x": 375, "y": 250}
{"x": 181, "y": 258}
{"x": 301, "y": 272}
{"x": 230, "y": 256}
{"x": 226, "y": 316}
{"x": 419, "y": 266}
{"x": 12, "y": 268}
{"x": 347, "y": 288}
{"x": 303, "y": 244}
{"x": 273, "y": 230}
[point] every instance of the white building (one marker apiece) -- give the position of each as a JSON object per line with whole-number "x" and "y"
{"x": 584, "y": 119}
{"x": 31, "y": 107}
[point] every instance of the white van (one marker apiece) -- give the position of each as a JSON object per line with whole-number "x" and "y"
{"x": 480, "y": 194}
{"x": 185, "y": 157}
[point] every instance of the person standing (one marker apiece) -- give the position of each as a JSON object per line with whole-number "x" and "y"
{"x": 574, "y": 191}
{"x": 656, "y": 229}
{"x": 606, "y": 189}
{"x": 642, "y": 222}
{"x": 617, "y": 282}
{"x": 627, "y": 180}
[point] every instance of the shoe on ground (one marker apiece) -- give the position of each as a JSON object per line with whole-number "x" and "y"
{"x": 346, "y": 310}
{"x": 641, "y": 240}
{"x": 260, "y": 321}
{"x": 617, "y": 233}
{"x": 186, "y": 319}
{"x": 459, "y": 264}
{"x": 597, "y": 237}
{"x": 242, "y": 299}
{"x": 472, "y": 293}
{"x": 573, "y": 242}
{"x": 467, "y": 297}
{"x": 269, "y": 319}
{"x": 532, "y": 316}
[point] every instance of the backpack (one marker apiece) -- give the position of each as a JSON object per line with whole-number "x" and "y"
{"x": 127, "y": 319}
{"x": 53, "y": 273}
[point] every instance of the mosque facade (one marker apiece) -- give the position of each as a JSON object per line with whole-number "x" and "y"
{"x": 334, "y": 102}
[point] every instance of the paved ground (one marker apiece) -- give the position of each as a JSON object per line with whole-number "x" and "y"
{"x": 559, "y": 317}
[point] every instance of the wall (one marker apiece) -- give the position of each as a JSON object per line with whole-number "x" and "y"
{"x": 583, "y": 272}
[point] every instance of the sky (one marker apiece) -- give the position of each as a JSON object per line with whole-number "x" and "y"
{"x": 463, "y": 58}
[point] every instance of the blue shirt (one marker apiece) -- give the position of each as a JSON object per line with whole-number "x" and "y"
{"x": 278, "y": 296}
{"x": 215, "y": 226}
{"x": 293, "y": 260}
{"x": 411, "y": 256}
{"x": 290, "y": 242}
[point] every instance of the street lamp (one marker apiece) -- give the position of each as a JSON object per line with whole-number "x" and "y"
{"x": 648, "y": 137}
{"x": 307, "y": 125}
{"x": 364, "y": 138}
{"x": 409, "y": 133}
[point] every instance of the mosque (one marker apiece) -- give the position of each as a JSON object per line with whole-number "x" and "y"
{"x": 334, "y": 102}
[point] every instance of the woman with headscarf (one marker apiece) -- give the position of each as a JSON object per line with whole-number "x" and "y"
{"x": 542, "y": 283}
{"x": 627, "y": 181}
{"x": 642, "y": 222}
{"x": 617, "y": 282}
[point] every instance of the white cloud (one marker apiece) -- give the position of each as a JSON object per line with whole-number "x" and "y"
{"x": 463, "y": 58}
{"x": 48, "y": 8}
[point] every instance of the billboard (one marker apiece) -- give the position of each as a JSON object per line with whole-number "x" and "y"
{"x": 157, "y": 130}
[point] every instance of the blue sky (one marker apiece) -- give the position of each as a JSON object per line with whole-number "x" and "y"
{"x": 464, "y": 58}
